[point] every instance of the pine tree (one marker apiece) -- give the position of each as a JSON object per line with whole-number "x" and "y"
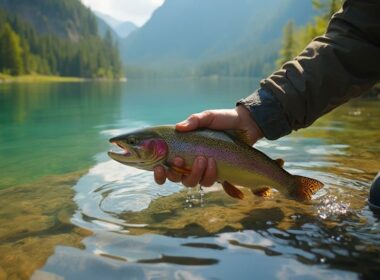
{"x": 287, "y": 50}
{"x": 302, "y": 36}
{"x": 25, "y": 49}
{"x": 11, "y": 60}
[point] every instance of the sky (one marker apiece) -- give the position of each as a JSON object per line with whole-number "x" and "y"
{"x": 137, "y": 11}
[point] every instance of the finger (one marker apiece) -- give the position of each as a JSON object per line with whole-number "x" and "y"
{"x": 173, "y": 175}
{"x": 210, "y": 175}
{"x": 196, "y": 174}
{"x": 214, "y": 119}
{"x": 159, "y": 175}
{"x": 191, "y": 123}
{"x": 203, "y": 119}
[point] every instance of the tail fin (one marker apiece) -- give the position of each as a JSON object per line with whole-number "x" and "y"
{"x": 303, "y": 187}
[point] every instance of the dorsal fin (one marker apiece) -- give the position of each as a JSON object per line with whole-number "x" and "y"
{"x": 280, "y": 162}
{"x": 241, "y": 135}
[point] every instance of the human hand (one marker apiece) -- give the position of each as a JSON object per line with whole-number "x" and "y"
{"x": 204, "y": 170}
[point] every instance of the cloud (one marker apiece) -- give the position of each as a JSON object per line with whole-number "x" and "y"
{"x": 126, "y": 10}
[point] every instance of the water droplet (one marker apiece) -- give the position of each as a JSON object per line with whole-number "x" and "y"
{"x": 295, "y": 216}
{"x": 330, "y": 207}
{"x": 201, "y": 195}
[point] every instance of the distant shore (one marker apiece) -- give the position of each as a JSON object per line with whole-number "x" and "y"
{"x": 36, "y": 78}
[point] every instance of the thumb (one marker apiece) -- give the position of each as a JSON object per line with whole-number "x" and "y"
{"x": 191, "y": 123}
{"x": 203, "y": 119}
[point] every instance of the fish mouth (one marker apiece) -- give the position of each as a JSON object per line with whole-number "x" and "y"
{"x": 123, "y": 154}
{"x": 143, "y": 152}
{"x": 125, "y": 151}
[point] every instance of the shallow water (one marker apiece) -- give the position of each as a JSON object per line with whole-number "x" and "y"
{"x": 68, "y": 211}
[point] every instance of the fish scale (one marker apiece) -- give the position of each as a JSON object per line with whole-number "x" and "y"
{"x": 240, "y": 157}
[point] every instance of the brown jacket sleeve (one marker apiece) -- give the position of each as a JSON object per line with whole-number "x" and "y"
{"x": 333, "y": 68}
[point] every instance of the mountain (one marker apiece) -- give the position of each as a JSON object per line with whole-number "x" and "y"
{"x": 122, "y": 29}
{"x": 65, "y": 18}
{"x": 55, "y": 38}
{"x": 193, "y": 32}
{"x": 112, "y": 22}
{"x": 125, "y": 28}
{"x": 103, "y": 28}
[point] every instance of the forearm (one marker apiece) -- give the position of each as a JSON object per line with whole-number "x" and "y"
{"x": 331, "y": 70}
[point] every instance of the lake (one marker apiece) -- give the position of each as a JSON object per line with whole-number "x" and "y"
{"x": 69, "y": 212}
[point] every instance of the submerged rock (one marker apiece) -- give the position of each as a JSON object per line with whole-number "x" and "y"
{"x": 35, "y": 218}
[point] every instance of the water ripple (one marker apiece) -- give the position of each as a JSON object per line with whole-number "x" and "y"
{"x": 109, "y": 189}
{"x": 115, "y": 201}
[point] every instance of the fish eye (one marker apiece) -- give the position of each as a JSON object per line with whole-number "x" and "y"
{"x": 132, "y": 141}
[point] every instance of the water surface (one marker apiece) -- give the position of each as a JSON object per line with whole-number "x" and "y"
{"x": 68, "y": 211}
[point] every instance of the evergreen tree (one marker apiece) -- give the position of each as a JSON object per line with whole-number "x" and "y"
{"x": 68, "y": 46}
{"x": 10, "y": 51}
{"x": 303, "y": 35}
{"x": 287, "y": 50}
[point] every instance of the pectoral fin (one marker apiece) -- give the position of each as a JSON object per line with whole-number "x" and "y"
{"x": 232, "y": 191}
{"x": 181, "y": 170}
{"x": 263, "y": 192}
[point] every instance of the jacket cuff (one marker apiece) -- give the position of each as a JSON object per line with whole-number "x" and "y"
{"x": 267, "y": 111}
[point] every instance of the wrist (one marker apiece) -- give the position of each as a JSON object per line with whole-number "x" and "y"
{"x": 268, "y": 114}
{"x": 248, "y": 123}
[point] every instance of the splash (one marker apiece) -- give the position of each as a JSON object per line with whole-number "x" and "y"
{"x": 331, "y": 207}
{"x": 195, "y": 197}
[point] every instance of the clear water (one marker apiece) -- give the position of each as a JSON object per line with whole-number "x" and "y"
{"x": 66, "y": 210}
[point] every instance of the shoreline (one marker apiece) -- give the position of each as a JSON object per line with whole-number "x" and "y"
{"x": 36, "y": 78}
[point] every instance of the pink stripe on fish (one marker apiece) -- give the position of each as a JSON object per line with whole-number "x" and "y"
{"x": 158, "y": 147}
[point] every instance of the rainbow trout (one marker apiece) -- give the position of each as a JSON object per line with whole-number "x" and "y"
{"x": 238, "y": 163}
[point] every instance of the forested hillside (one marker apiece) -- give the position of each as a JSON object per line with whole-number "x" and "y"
{"x": 54, "y": 38}
{"x": 212, "y": 37}
{"x": 295, "y": 38}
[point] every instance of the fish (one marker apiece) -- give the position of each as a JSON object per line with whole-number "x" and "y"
{"x": 238, "y": 163}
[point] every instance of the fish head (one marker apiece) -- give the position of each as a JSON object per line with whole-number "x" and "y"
{"x": 143, "y": 149}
